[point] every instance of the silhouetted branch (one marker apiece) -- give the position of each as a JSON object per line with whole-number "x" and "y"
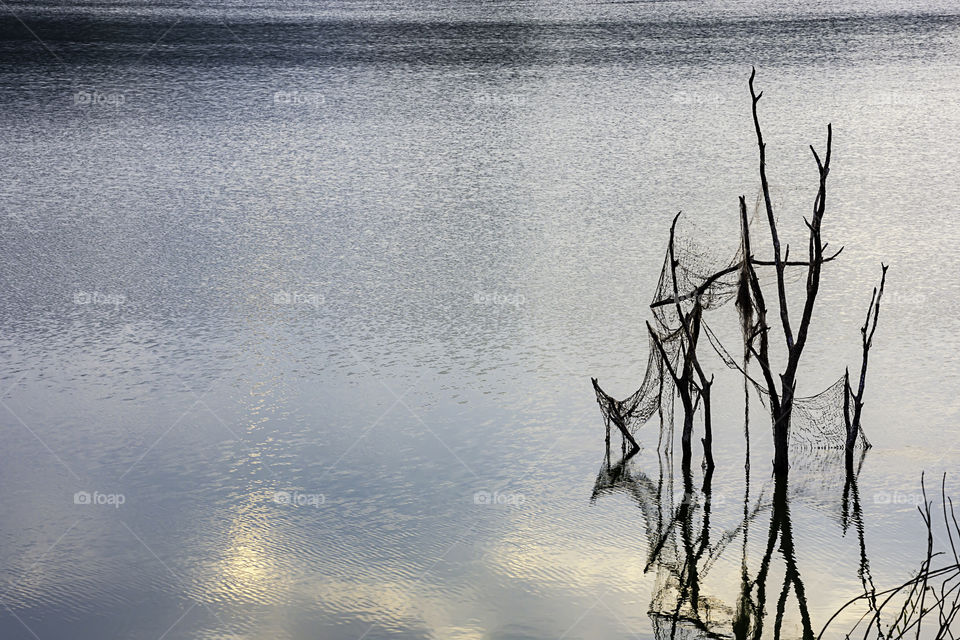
{"x": 771, "y": 221}
{"x": 782, "y": 404}
{"x": 760, "y": 306}
{"x": 613, "y": 415}
{"x": 692, "y": 335}
{"x": 910, "y": 598}
{"x": 867, "y": 331}
{"x": 708, "y": 282}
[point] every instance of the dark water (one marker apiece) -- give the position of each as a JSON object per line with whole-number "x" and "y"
{"x": 367, "y": 257}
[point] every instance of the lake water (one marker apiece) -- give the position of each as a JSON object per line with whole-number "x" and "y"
{"x": 288, "y": 292}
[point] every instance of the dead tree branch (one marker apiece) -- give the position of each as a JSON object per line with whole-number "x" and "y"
{"x": 774, "y": 236}
{"x": 866, "y": 332}
{"x": 613, "y": 415}
{"x": 692, "y": 334}
{"x": 782, "y": 403}
{"x": 700, "y": 290}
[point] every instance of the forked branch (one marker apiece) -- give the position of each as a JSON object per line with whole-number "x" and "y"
{"x": 867, "y": 331}
{"x": 771, "y": 221}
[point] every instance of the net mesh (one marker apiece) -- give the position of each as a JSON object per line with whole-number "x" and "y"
{"x": 682, "y": 547}
{"x": 712, "y": 276}
{"x": 818, "y": 421}
{"x": 634, "y": 411}
{"x": 677, "y": 545}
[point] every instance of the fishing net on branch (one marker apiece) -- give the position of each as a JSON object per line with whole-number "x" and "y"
{"x": 656, "y": 389}
{"x": 818, "y": 421}
{"x": 705, "y": 275}
{"x": 709, "y": 274}
{"x": 709, "y": 265}
{"x": 697, "y": 279}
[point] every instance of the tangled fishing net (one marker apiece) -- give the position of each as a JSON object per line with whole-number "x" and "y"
{"x": 712, "y": 277}
{"x": 819, "y": 421}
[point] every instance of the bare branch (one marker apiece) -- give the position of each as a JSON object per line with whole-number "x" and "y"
{"x": 708, "y": 282}
{"x": 866, "y": 332}
{"x": 691, "y": 336}
{"x": 771, "y": 221}
{"x": 815, "y": 264}
{"x": 762, "y": 356}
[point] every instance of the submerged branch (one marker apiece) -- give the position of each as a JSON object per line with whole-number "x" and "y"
{"x": 909, "y": 599}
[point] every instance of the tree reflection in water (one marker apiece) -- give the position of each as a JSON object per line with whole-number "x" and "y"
{"x": 684, "y": 543}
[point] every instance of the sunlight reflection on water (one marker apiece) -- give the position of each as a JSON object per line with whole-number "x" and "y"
{"x": 378, "y": 263}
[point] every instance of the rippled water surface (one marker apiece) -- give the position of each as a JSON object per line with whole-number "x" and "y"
{"x": 290, "y": 292}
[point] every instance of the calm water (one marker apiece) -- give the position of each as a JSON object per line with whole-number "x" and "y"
{"x": 368, "y": 256}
